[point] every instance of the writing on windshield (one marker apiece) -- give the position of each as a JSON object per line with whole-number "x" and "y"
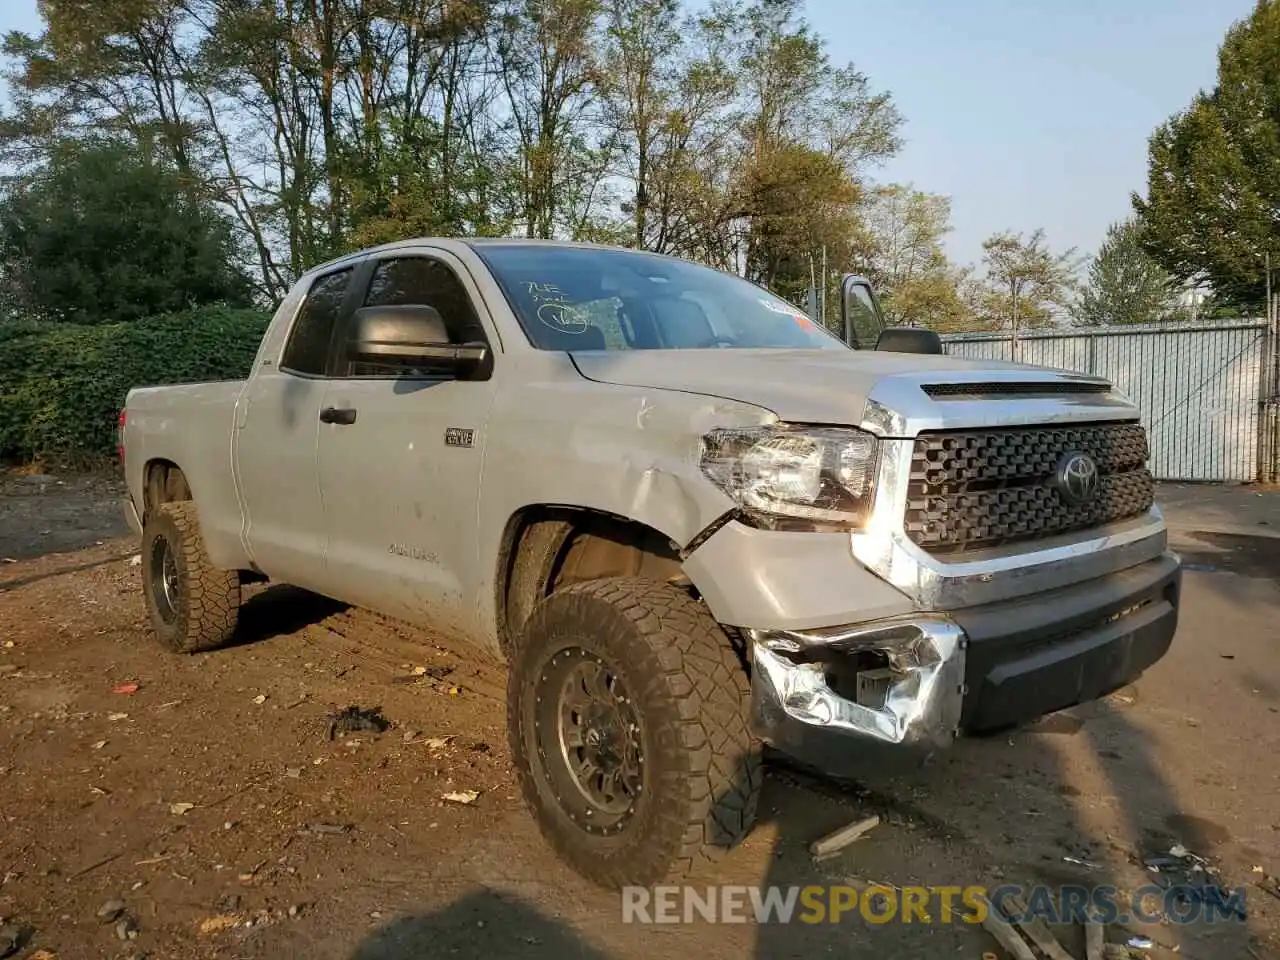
{"x": 583, "y": 298}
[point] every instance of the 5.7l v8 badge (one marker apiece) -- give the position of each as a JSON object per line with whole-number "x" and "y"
{"x": 459, "y": 437}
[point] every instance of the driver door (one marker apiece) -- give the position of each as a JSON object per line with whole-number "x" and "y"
{"x": 400, "y": 468}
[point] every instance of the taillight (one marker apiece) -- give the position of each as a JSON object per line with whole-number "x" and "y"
{"x": 120, "y": 435}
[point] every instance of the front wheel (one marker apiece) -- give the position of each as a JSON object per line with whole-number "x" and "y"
{"x": 192, "y": 604}
{"x": 627, "y": 714}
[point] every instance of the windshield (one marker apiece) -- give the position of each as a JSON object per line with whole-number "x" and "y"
{"x": 584, "y": 298}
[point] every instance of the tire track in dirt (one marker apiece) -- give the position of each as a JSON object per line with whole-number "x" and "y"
{"x": 390, "y": 645}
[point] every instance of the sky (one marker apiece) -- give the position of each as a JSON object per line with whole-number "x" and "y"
{"x": 1027, "y": 113}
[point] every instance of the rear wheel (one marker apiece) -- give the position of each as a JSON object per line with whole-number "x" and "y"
{"x": 193, "y": 606}
{"x": 627, "y": 713}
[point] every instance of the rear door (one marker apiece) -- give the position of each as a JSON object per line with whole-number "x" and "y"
{"x": 400, "y": 474}
{"x": 278, "y": 422}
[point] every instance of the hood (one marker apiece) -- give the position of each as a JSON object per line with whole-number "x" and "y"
{"x": 812, "y": 386}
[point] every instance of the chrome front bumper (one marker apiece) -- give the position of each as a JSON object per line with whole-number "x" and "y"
{"x": 914, "y": 699}
{"x": 922, "y": 680}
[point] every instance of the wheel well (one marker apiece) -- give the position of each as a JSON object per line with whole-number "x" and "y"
{"x": 547, "y": 547}
{"x": 165, "y": 483}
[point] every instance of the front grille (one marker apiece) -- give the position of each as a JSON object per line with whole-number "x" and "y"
{"x": 984, "y": 488}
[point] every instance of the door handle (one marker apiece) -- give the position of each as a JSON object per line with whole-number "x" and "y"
{"x": 339, "y": 415}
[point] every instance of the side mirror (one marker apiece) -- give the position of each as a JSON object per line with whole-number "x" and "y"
{"x": 412, "y": 336}
{"x": 909, "y": 340}
{"x": 861, "y": 319}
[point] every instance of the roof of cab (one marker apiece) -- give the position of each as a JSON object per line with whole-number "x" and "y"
{"x": 410, "y": 243}
{"x": 447, "y": 242}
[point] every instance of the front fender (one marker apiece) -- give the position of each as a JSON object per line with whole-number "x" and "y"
{"x": 627, "y": 451}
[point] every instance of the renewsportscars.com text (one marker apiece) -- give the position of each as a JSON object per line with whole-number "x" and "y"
{"x": 929, "y": 904}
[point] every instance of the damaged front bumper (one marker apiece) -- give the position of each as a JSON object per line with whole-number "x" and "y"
{"x": 923, "y": 680}
{"x": 896, "y": 681}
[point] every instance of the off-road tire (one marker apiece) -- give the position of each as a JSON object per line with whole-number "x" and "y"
{"x": 702, "y": 768}
{"x": 204, "y": 613}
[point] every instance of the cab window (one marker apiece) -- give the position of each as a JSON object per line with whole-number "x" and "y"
{"x": 420, "y": 281}
{"x": 307, "y": 350}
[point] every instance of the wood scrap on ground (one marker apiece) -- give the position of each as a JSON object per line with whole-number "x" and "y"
{"x": 836, "y": 841}
{"x": 999, "y": 927}
{"x": 1093, "y": 945}
{"x": 1038, "y": 932}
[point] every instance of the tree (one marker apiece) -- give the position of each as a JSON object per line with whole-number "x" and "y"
{"x": 643, "y": 41}
{"x": 1027, "y": 283}
{"x": 810, "y": 132}
{"x": 103, "y": 235}
{"x": 547, "y": 67}
{"x": 1125, "y": 284}
{"x": 1213, "y": 181}
{"x": 900, "y": 244}
{"x": 800, "y": 200}
{"x": 720, "y": 131}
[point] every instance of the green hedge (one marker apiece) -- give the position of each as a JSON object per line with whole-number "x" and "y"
{"x": 62, "y": 385}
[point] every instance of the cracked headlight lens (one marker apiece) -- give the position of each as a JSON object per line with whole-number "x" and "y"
{"x": 795, "y": 477}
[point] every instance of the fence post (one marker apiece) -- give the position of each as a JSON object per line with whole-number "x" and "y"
{"x": 1269, "y": 388}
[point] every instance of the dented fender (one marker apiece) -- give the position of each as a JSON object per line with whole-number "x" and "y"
{"x": 633, "y": 452}
{"x": 629, "y": 451}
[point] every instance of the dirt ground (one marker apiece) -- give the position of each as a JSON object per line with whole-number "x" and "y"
{"x": 213, "y": 803}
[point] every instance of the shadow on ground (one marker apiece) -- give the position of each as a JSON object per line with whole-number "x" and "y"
{"x": 481, "y": 924}
{"x": 1249, "y": 556}
{"x": 280, "y": 609}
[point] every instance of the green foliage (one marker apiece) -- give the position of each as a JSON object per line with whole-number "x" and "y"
{"x": 62, "y": 385}
{"x": 900, "y": 249}
{"x": 104, "y": 234}
{"x": 786, "y": 192}
{"x": 1213, "y": 182}
{"x": 717, "y": 131}
{"x": 397, "y": 195}
{"x": 1027, "y": 284}
{"x": 1212, "y": 308}
{"x": 1125, "y": 284}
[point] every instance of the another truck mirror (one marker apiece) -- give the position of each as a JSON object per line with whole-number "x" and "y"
{"x": 909, "y": 340}
{"x": 413, "y": 336}
{"x": 861, "y": 318}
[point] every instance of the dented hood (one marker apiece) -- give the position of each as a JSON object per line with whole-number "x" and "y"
{"x": 813, "y": 386}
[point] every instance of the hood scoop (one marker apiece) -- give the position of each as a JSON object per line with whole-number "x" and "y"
{"x": 1014, "y": 389}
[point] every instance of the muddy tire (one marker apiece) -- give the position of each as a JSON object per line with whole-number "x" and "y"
{"x": 627, "y": 716}
{"x": 193, "y": 605}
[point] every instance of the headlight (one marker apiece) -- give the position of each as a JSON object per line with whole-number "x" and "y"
{"x": 795, "y": 477}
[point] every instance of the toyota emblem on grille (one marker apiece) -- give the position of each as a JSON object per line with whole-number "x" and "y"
{"x": 1077, "y": 477}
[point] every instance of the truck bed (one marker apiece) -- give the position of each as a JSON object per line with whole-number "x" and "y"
{"x": 190, "y": 424}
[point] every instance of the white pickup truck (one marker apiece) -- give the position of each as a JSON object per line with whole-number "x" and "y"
{"x": 688, "y": 518}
